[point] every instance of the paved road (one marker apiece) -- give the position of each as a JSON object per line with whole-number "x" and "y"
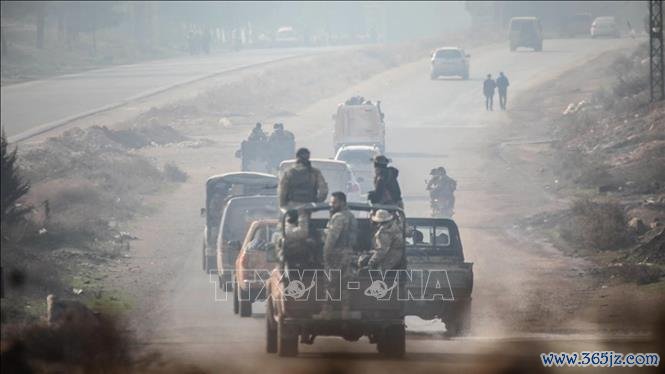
{"x": 29, "y": 106}
{"x": 430, "y": 123}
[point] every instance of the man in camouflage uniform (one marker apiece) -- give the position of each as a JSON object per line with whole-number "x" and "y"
{"x": 388, "y": 242}
{"x": 302, "y": 183}
{"x": 338, "y": 254}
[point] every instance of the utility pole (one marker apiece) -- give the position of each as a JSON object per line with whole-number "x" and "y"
{"x": 656, "y": 66}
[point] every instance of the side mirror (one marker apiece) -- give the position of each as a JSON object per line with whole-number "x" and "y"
{"x": 203, "y": 212}
{"x": 468, "y": 55}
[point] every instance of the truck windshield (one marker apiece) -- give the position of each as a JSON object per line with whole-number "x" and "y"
{"x": 356, "y": 157}
{"x": 428, "y": 237}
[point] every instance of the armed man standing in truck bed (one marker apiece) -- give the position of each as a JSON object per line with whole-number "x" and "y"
{"x": 339, "y": 258}
{"x": 302, "y": 183}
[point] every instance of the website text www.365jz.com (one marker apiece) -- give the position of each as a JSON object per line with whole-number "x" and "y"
{"x": 599, "y": 359}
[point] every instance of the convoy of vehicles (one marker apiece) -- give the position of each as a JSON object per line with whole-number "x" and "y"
{"x": 449, "y": 61}
{"x": 221, "y": 188}
{"x": 525, "y": 32}
{"x": 604, "y": 26}
{"x": 359, "y": 121}
{"x": 238, "y": 215}
{"x": 242, "y": 243}
{"x": 359, "y": 158}
{"x": 337, "y": 174}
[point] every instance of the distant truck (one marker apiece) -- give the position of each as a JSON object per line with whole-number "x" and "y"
{"x": 359, "y": 121}
{"x": 219, "y": 190}
{"x": 525, "y": 32}
{"x": 604, "y": 26}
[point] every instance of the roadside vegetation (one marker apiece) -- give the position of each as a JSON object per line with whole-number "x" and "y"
{"x": 607, "y": 158}
{"x": 65, "y": 202}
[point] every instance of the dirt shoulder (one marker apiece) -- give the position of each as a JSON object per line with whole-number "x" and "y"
{"x": 598, "y": 163}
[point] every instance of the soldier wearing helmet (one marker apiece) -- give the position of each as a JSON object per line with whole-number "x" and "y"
{"x": 388, "y": 242}
{"x": 386, "y": 187}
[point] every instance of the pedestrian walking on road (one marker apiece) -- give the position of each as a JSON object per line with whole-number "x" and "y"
{"x": 488, "y": 89}
{"x": 502, "y": 84}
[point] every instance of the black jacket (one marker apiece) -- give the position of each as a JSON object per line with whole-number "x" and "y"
{"x": 386, "y": 187}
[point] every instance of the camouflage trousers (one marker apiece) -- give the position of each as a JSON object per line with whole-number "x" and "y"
{"x": 342, "y": 269}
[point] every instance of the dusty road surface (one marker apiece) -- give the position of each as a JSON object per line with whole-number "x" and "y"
{"x": 528, "y": 298}
{"x": 66, "y": 97}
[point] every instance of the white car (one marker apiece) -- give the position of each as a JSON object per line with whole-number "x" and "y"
{"x": 604, "y": 26}
{"x": 337, "y": 174}
{"x": 359, "y": 158}
{"x": 449, "y": 61}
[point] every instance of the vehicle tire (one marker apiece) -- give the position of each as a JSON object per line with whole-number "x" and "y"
{"x": 513, "y": 48}
{"x": 271, "y": 329}
{"x": 393, "y": 342}
{"x": 460, "y": 324}
{"x": 236, "y": 303}
{"x": 245, "y": 304}
{"x": 539, "y": 47}
{"x": 433, "y": 76}
{"x": 287, "y": 341}
{"x": 465, "y": 76}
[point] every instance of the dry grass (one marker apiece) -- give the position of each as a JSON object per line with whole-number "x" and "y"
{"x": 597, "y": 225}
{"x": 174, "y": 174}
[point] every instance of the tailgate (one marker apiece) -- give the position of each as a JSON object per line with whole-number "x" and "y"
{"x": 433, "y": 292}
{"x": 368, "y": 297}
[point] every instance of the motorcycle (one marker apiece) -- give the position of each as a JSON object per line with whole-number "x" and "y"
{"x": 442, "y": 206}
